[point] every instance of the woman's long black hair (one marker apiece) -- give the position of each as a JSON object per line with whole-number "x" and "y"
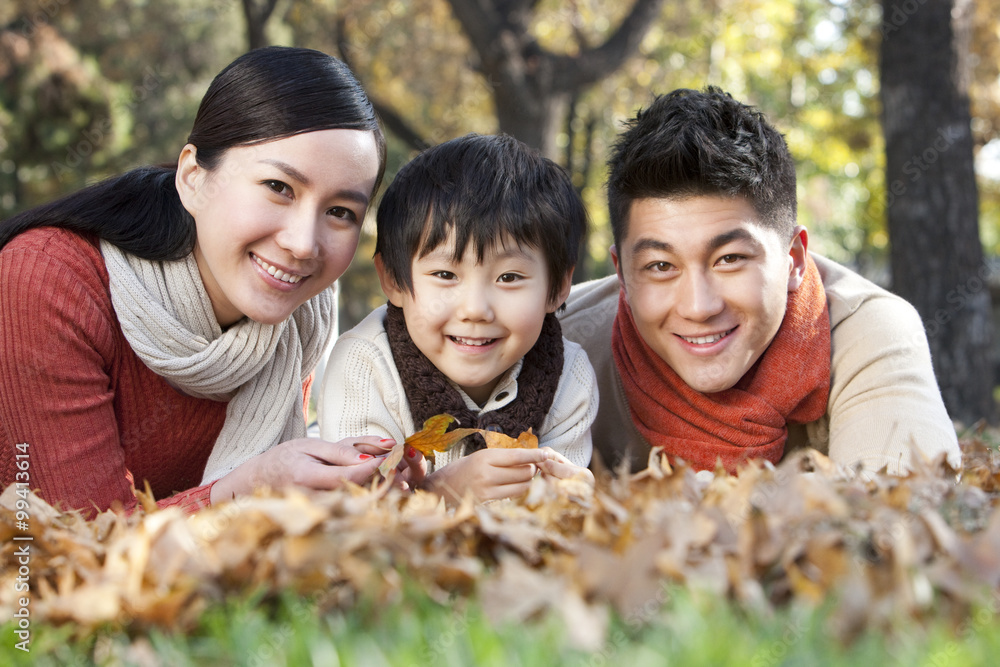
{"x": 265, "y": 94}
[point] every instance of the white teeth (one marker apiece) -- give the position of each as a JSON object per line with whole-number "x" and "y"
{"x": 704, "y": 340}
{"x": 277, "y": 273}
{"x": 472, "y": 341}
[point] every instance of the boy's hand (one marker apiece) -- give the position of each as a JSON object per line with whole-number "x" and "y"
{"x": 560, "y": 467}
{"x": 489, "y": 474}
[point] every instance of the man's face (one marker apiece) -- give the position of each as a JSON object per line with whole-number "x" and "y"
{"x": 707, "y": 284}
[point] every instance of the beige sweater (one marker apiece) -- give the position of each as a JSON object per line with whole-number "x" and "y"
{"x": 362, "y": 394}
{"x": 883, "y": 393}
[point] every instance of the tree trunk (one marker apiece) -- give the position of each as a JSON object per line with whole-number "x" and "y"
{"x": 257, "y": 12}
{"x": 532, "y": 86}
{"x": 932, "y": 201}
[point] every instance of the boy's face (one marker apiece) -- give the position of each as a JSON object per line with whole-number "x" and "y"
{"x": 475, "y": 321}
{"x": 707, "y": 284}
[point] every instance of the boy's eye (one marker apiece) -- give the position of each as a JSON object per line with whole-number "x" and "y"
{"x": 277, "y": 187}
{"x": 508, "y": 278}
{"x": 443, "y": 275}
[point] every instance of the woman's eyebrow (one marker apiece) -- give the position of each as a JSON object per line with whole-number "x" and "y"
{"x": 288, "y": 169}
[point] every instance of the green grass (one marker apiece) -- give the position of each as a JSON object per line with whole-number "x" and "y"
{"x": 688, "y": 631}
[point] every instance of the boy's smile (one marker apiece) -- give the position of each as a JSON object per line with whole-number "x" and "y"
{"x": 475, "y": 320}
{"x": 707, "y": 284}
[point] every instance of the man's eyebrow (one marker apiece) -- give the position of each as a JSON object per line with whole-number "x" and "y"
{"x": 651, "y": 244}
{"x": 716, "y": 242}
{"x": 738, "y": 234}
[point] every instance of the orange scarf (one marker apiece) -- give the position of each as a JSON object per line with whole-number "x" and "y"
{"x": 789, "y": 383}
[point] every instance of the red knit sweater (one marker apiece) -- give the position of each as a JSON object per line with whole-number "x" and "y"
{"x": 94, "y": 422}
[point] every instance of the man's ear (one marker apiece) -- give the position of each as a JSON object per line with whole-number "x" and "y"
{"x": 189, "y": 177}
{"x": 564, "y": 288}
{"x": 797, "y": 252}
{"x": 392, "y": 291}
{"x": 618, "y": 264}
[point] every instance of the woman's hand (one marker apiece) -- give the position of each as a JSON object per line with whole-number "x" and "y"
{"x": 308, "y": 462}
{"x": 410, "y": 471}
{"x": 489, "y": 474}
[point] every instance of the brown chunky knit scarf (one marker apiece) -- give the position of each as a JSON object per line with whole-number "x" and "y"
{"x": 429, "y": 393}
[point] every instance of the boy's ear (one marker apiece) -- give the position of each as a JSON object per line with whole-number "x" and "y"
{"x": 392, "y": 291}
{"x": 189, "y": 177}
{"x": 564, "y": 288}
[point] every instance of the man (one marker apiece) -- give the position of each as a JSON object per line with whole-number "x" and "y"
{"x": 722, "y": 337}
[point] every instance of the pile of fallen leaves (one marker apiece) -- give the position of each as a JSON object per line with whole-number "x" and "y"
{"x": 874, "y": 546}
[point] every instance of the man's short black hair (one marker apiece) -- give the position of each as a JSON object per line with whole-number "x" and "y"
{"x": 490, "y": 189}
{"x": 690, "y": 143}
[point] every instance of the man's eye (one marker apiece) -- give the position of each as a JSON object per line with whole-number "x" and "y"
{"x": 730, "y": 259}
{"x": 660, "y": 266}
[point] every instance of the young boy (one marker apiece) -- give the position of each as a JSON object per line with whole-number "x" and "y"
{"x": 476, "y": 243}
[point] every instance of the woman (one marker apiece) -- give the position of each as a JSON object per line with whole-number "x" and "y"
{"x": 161, "y": 326}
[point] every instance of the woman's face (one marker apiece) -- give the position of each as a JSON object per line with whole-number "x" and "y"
{"x": 278, "y": 222}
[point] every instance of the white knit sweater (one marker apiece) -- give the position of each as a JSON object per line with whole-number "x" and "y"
{"x": 362, "y": 394}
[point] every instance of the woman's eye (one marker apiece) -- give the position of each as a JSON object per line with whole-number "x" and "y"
{"x": 343, "y": 213}
{"x": 508, "y": 278}
{"x": 278, "y": 187}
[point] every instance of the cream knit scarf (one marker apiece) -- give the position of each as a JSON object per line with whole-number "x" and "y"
{"x": 167, "y": 317}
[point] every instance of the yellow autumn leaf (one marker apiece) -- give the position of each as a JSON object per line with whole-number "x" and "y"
{"x": 435, "y": 436}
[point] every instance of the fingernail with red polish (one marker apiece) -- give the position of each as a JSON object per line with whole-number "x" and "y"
{"x": 386, "y": 440}
{"x": 365, "y": 457}
{"x": 411, "y": 452}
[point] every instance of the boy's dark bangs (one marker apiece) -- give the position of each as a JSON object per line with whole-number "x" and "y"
{"x": 485, "y": 229}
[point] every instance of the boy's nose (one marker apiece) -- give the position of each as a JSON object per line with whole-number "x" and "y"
{"x": 474, "y": 305}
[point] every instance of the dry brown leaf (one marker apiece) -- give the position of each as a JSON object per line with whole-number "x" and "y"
{"x": 497, "y": 440}
{"x": 872, "y": 545}
{"x": 392, "y": 459}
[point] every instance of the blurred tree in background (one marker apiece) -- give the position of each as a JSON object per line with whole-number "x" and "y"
{"x": 91, "y": 88}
